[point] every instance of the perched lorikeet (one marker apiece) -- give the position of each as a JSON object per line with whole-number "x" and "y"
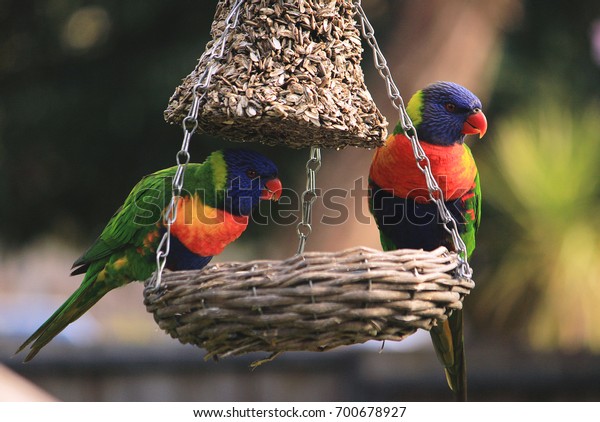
{"x": 217, "y": 199}
{"x": 443, "y": 113}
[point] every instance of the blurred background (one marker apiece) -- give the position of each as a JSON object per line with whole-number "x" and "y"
{"x": 83, "y": 86}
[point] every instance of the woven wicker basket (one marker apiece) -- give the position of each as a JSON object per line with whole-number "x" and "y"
{"x": 314, "y": 302}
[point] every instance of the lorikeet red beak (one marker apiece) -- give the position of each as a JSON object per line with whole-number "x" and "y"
{"x": 476, "y": 123}
{"x": 272, "y": 190}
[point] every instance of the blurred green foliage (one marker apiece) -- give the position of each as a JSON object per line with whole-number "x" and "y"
{"x": 539, "y": 260}
{"x": 549, "y": 46}
{"x": 544, "y": 180}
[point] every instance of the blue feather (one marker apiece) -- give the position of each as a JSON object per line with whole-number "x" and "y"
{"x": 247, "y": 173}
{"x": 439, "y": 124}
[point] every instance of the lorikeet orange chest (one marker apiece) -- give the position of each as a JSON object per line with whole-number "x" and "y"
{"x": 200, "y": 232}
{"x": 395, "y": 167}
{"x": 205, "y": 230}
{"x": 400, "y": 198}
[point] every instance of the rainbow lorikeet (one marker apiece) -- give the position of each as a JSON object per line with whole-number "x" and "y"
{"x": 443, "y": 113}
{"x": 213, "y": 210}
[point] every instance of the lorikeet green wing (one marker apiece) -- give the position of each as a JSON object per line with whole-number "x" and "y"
{"x": 213, "y": 210}
{"x": 443, "y": 113}
{"x": 133, "y": 220}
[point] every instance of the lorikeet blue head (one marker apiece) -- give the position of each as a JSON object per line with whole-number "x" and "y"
{"x": 250, "y": 178}
{"x": 444, "y": 112}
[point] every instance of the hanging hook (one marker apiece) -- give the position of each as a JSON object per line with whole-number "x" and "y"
{"x": 304, "y": 228}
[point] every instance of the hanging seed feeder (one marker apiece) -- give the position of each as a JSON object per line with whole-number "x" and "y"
{"x": 290, "y": 75}
{"x": 288, "y": 72}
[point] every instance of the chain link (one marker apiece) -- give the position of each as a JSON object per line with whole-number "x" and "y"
{"x": 304, "y": 228}
{"x": 189, "y": 125}
{"x": 435, "y": 192}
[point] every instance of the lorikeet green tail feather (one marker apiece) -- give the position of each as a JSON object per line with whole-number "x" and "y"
{"x": 75, "y": 306}
{"x": 448, "y": 342}
{"x": 212, "y": 211}
{"x": 443, "y": 114}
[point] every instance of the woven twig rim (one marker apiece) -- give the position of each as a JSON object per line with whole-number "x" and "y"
{"x": 314, "y": 302}
{"x": 291, "y": 76}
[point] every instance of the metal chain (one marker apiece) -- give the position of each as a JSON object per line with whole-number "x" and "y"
{"x": 435, "y": 192}
{"x": 190, "y": 125}
{"x": 309, "y": 196}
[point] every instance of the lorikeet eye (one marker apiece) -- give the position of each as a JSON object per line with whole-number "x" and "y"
{"x": 251, "y": 174}
{"x": 451, "y": 107}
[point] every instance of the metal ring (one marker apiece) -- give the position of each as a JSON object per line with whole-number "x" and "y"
{"x": 304, "y": 229}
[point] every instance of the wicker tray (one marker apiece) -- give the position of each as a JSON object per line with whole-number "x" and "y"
{"x": 314, "y": 302}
